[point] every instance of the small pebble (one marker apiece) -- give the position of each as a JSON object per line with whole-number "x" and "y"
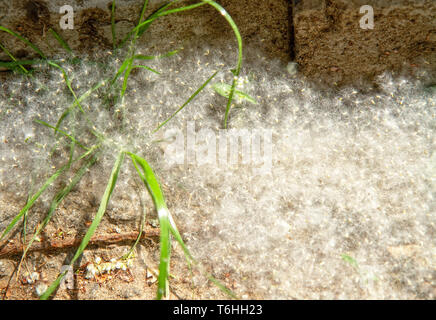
{"x": 40, "y": 289}
{"x": 34, "y": 276}
{"x": 2, "y": 268}
{"x": 292, "y": 68}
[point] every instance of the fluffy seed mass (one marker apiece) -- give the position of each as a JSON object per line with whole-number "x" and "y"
{"x": 346, "y": 211}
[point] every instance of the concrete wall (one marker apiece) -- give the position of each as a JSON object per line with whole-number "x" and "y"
{"x": 262, "y": 22}
{"x": 323, "y": 36}
{"x": 330, "y": 42}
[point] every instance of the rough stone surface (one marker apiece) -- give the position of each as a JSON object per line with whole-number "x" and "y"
{"x": 330, "y": 43}
{"x": 262, "y": 22}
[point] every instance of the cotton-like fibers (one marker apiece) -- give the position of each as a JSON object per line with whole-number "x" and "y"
{"x": 346, "y": 209}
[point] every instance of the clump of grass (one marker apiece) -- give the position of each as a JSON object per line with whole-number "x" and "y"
{"x": 92, "y": 150}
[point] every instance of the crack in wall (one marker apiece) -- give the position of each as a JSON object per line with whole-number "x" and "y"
{"x": 291, "y": 4}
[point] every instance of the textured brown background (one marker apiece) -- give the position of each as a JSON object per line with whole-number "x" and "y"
{"x": 329, "y": 43}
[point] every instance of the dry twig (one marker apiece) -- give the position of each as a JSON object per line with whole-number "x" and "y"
{"x": 15, "y": 247}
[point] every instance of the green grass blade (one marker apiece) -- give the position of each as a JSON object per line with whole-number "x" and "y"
{"x": 70, "y": 158}
{"x": 126, "y": 78}
{"x": 24, "y": 233}
{"x": 167, "y": 226}
{"x": 114, "y": 39}
{"x": 76, "y": 100}
{"x": 5, "y": 64}
{"x": 232, "y": 24}
{"x": 75, "y": 103}
{"x": 138, "y": 238}
{"x": 147, "y": 176}
{"x": 35, "y": 197}
{"x": 350, "y": 260}
{"x": 68, "y": 82}
{"x": 142, "y": 27}
{"x": 239, "y": 63}
{"x": 53, "y": 286}
{"x": 32, "y": 200}
{"x": 127, "y": 64}
{"x": 146, "y": 68}
{"x": 153, "y": 14}
{"x": 61, "y": 132}
{"x": 58, "y": 199}
{"x": 160, "y": 12}
{"x": 129, "y": 60}
{"x": 187, "y": 101}
{"x": 141, "y": 17}
{"x": 166, "y": 222}
{"x": 120, "y": 70}
{"x": 165, "y": 254}
{"x": 145, "y": 57}
{"x": 61, "y": 41}
{"x": 35, "y": 48}
{"x": 101, "y": 210}
{"x": 222, "y": 287}
{"x": 103, "y": 205}
{"x": 176, "y": 10}
{"x": 223, "y": 89}
{"x": 144, "y": 8}
{"x": 145, "y": 27}
{"x": 17, "y": 63}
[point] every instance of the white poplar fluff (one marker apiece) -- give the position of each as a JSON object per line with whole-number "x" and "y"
{"x": 352, "y": 175}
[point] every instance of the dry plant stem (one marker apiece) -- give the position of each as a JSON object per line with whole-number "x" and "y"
{"x": 16, "y": 247}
